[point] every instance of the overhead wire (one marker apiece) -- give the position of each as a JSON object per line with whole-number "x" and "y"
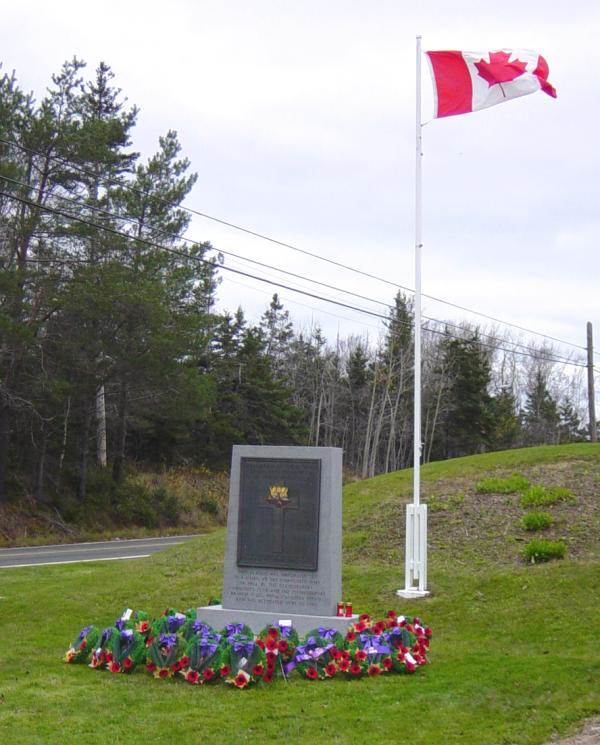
{"x": 100, "y": 210}
{"x": 293, "y": 247}
{"x": 183, "y": 254}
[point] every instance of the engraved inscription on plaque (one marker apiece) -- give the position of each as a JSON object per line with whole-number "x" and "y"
{"x": 278, "y": 524}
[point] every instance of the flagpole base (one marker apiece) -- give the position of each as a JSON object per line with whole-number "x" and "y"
{"x": 410, "y": 594}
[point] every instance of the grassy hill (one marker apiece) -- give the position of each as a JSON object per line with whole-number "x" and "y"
{"x": 514, "y": 656}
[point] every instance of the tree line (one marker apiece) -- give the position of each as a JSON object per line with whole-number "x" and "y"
{"x": 112, "y": 350}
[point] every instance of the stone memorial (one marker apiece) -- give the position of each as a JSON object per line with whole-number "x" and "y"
{"x": 284, "y": 539}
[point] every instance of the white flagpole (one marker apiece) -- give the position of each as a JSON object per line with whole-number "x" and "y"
{"x": 416, "y": 514}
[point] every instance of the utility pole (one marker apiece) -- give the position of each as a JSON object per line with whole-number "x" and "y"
{"x": 591, "y": 392}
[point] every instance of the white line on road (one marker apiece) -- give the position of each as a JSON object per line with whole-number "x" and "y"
{"x": 73, "y": 561}
{"x": 23, "y": 552}
{"x": 113, "y": 542}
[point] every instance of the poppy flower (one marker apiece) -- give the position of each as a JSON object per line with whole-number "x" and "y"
{"x": 184, "y": 661}
{"x": 344, "y": 665}
{"x": 311, "y": 673}
{"x": 127, "y": 663}
{"x": 330, "y": 669}
{"x": 428, "y": 631}
{"x": 283, "y": 646}
{"x": 225, "y": 670}
{"x": 176, "y": 667}
{"x": 108, "y": 657}
{"x": 270, "y": 667}
{"x": 143, "y": 627}
{"x": 114, "y": 667}
{"x": 391, "y": 624}
{"x": 410, "y": 628}
{"x": 379, "y": 627}
{"x": 387, "y": 663}
{"x": 410, "y": 667}
{"x": 335, "y": 653}
{"x": 391, "y": 614}
{"x": 267, "y": 678}
{"x": 373, "y": 670}
{"x": 400, "y": 656}
{"x": 360, "y": 626}
{"x": 271, "y": 657}
{"x": 260, "y": 643}
{"x": 83, "y": 644}
{"x": 241, "y": 680}
{"x": 208, "y": 674}
{"x": 355, "y": 669}
{"x": 258, "y": 670}
{"x": 345, "y": 655}
{"x": 360, "y": 655}
{"x": 273, "y": 633}
{"x": 164, "y": 672}
{"x": 192, "y": 677}
{"x": 271, "y": 644}
{"x": 150, "y": 667}
{"x": 350, "y": 636}
{"x": 364, "y": 617}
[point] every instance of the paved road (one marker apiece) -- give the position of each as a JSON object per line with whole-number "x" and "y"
{"x": 69, "y": 553}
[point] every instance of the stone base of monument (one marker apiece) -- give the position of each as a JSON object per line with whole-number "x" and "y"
{"x": 218, "y": 617}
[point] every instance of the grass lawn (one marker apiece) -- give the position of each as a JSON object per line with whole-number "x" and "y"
{"x": 515, "y": 654}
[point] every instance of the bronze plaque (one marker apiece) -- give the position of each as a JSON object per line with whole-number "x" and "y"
{"x": 278, "y": 519}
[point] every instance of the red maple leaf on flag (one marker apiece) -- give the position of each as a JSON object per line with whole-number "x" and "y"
{"x": 499, "y": 70}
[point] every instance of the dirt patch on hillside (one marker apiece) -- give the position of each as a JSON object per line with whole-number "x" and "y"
{"x": 589, "y": 735}
{"x": 466, "y": 527}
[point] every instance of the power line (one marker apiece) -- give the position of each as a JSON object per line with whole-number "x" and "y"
{"x": 100, "y": 210}
{"x": 177, "y": 252}
{"x": 291, "y": 246}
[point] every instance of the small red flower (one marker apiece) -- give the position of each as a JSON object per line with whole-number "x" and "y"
{"x": 410, "y": 667}
{"x": 417, "y": 620}
{"x": 108, "y": 657}
{"x": 410, "y": 628}
{"x": 360, "y": 626}
{"x": 379, "y": 627}
{"x": 149, "y": 641}
{"x": 400, "y": 656}
{"x": 270, "y": 668}
{"x": 335, "y": 653}
{"x": 355, "y": 669}
{"x": 258, "y": 670}
{"x": 387, "y": 663}
{"x": 391, "y": 614}
{"x": 192, "y": 677}
{"x": 271, "y": 657}
{"x": 374, "y": 670}
{"x": 428, "y": 631}
{"x": 241, "y": 680}
{"x": 311, "y": 673}
{"x": 330, "y": 669}
{"x": 402, "y": 623}
{"x": 267, "y": 678}
{"x": 184, "y": 661}
{"x": 127, "y": 663}
{"x": 163, "y": 672}
{"x": 150, "y": 667}
{"x": 176, "y": 667}
{"x": 345, "y": 655}
{"x": 83, "y": 644}
{"x": 143, "y": 627}
{"x": 350, "y": 636}
{"x": 271, "y": 644}
{"x": 391, "y": 624}
{"x": 260, "y": 643}
{"x": 360, "y": 655}
{"x": 283, "y": 646}
{"x": 344, "y": 665}
{"x": 208, "y": 674}
{"x": 224, "y": 671}
{"x": 273, "y": 633}
{"x": 364, "y": 617}
{"x": 114, "y": 667}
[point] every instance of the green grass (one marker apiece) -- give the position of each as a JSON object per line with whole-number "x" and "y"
{"x": 542, "y": 550}
{"x": 533, "y": 521}
{"x": 543, "y": 496}
{"x": 498, "y": 485}
{"x": 499, "y": 673}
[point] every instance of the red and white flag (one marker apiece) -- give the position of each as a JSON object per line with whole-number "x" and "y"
{"x": 469, "y": 81}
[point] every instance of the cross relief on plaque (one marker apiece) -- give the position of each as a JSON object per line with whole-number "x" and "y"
{"x": 278, "y": 524}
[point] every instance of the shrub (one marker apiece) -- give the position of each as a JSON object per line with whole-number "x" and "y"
{"x": 502, "y": 485}
{"x": 537, "y": 496}
{"x": 541, "y": 550}
{"x": 537, "y": 521}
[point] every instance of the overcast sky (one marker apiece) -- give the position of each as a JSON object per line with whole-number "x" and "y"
{"x": 299, "y": 119}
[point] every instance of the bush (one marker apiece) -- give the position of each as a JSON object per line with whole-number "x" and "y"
{"x": 498, "y": 485}
{"x": 541, "y": 550}
{"x": 537, "y": 496}
{"x": 537, "y": 521}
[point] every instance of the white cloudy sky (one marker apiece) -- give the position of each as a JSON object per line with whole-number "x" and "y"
{"x": 299, "y": 119}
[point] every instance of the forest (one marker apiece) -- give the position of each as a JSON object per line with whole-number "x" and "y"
{"x": 114, "y": 356}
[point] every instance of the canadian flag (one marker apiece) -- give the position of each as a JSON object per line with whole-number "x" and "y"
{"x": 469, "y": 81}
